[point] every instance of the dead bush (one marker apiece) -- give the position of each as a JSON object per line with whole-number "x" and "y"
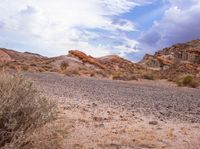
{"x": 64, "y": 65}
{"x": 119, "y": 75}
{"x": 23, "y": 113}
{"x": 33, "y": 64}
{"x": 24, "y": 67}
{"x": 50, "y": 136}
{"x": 148, "y": 77}
{"x": 71, "y": 71}
{"x": 194, "y": 83}
{"x": 189, "y": 81}
{"x": 11, "y": 66}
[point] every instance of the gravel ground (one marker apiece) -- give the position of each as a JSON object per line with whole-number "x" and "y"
{"x": 155, "y": 98}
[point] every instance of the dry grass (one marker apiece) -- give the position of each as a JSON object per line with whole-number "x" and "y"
{"x": 71, "y": 71}
{"x": 148, "y": 76}
{"x": 24, "y": 67}
{"x": 26, "y": 119}
{"x": 189, "y": 81}
{"x": 64, "y": 65}
{"x": 119, "y": 75}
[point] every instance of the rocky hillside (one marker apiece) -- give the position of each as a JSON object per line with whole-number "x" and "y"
{"x": 75, "y": 63}
{"x": 178, "y": 59}
{"x": 4, "y": 56}
{"x": 168, "y": 63}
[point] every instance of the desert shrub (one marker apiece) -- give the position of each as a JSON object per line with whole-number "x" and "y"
{"x": 197, "y": 60}
{"x": 194, "y": 83}
{"x": 119, "y": 75}
{"x": 24, "y": 67}
{"x": 189, "y": 81}
{"x": 92, "y": 74}
{"x": 170, "y": 79}
{"x": 71, "y": 72}
{"x": 33, "y": 65}
{"x": 2, "y": 66}
{"x": 64, "y": 65}
{"x": 89, "y": 73}
{"x": 132, "y": 77}
{"x": 100, "y": 73}
{"x": 50, "y": 136}
{"x": 12, "y": 66}
{"x": 40, "y": 69}
{"x": 148, "y": 77}
{"x": 23, "y": 112}
{"x": 46, "y": 67}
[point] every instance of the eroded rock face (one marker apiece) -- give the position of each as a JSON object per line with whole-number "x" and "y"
{"x": 175, "y": 55}
{"x": 150, "y": 61}
{"x": 184, "y": 52}
{"x": 4, "y": 57}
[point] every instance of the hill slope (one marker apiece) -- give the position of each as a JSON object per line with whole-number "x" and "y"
{"x": 178, "y": 59}
{"x": 75, "y": 63}
{"x": 168, "y": 63}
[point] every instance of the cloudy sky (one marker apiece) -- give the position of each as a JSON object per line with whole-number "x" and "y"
{"x": 129, "y": 28}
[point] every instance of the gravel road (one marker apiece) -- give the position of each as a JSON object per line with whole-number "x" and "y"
{"x": 155, "y": 98}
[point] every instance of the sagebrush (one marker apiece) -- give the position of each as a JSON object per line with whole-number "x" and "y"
{"x": 23, "y": 114}
{"x": 119, "y": 75}
{"x": 189, "y": 81}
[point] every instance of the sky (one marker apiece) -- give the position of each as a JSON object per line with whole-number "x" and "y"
{"x": 128, "y": 28}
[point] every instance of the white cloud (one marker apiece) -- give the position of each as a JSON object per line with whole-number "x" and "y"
{"x": 131, "y": 46}
{"x": 57, "y": 26}
{"x": 180, "y": 23}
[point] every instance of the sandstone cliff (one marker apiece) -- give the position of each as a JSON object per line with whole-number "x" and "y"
{"x": 179, "y": 59}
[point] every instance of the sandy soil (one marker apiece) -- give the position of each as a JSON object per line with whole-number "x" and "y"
{"x": 119, "y": 115}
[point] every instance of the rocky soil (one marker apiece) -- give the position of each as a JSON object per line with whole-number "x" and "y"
{"x": 157, "y": 98}
{"x": 123, "y": 115}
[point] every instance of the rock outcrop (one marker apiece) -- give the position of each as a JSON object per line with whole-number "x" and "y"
{"x": 85, "y": 58}
{"x": 169, "y": 62}
{"x": 175, "y": 55}
{"x": 176, "y": 60}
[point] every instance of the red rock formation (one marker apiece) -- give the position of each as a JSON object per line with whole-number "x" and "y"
{"x": 87, "y": 59}
{"x": 177, "y": 54}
